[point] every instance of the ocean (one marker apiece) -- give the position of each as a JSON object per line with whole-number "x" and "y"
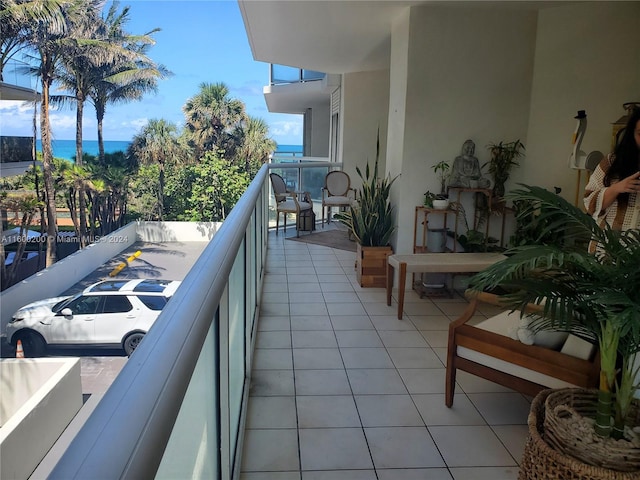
{"x": 67, "y": 148}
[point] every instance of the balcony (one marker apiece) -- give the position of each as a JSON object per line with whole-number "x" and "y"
{"x": 342, "y": 389}
{"x": 294, "y": 90}
{"x": 272, "y": 363}
{"x": 16, "y": 84}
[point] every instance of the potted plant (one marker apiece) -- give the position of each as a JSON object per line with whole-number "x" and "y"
{"x": 504, "y": 156}
{"x": 370, "y": 221}
{"x": 429, "y": 197}
{"x": 442, "y": 170}
{"x": 595, "y": 296}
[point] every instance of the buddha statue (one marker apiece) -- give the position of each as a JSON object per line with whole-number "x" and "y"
{"x": 466, "y": 171}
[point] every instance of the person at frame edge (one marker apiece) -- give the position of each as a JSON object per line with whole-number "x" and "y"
{"x": 611, "y": 195}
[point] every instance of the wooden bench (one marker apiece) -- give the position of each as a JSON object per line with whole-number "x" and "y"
{"x": 486, "y": 349}
{"x": 434, "y": 263}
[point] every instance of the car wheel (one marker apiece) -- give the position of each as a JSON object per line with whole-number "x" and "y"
{"x": 131, "y": 342}
{"x": 33, "y": 344}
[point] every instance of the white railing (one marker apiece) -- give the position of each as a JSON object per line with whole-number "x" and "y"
{"x": 282, "y": 74}
{"x": 176, "y": 408}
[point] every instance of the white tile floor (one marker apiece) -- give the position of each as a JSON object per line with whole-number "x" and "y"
{"x": 342, "y": 390}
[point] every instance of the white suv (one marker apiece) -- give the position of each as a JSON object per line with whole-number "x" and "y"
{"x": 111, "y": 313}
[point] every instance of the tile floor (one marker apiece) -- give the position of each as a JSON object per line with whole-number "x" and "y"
{"x": 342, "y": 389}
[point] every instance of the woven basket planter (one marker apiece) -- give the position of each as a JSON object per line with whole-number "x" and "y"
{"x": 542, "y": 461}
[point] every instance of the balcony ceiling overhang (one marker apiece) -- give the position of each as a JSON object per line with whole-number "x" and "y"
{"x": 15, "y": 92}
{"x": 339, "y": 36}
{"x": 296, "y": 97}
{"x": 326, "y": 36}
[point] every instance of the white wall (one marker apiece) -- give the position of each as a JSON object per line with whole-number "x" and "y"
{"x": 398, "y": 79}
{"x": 587, "y": 58}
{"x": 318, "y": 143}
{"x": 469, "y": 76}
{"x": 363, "y": 110}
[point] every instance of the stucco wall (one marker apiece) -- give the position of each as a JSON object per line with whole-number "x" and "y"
{"x": 587, "y": 58}
{"x": 364, "y": 110}
{"x": 469, "y": 77}
{"x": 319, "y": 131}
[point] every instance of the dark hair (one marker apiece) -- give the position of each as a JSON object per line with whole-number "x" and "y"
{"x": 626, "y": 152}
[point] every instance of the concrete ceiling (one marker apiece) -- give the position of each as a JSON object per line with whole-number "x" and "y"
{"x": 338, "y": 36}
{"x": 326, "y": 36}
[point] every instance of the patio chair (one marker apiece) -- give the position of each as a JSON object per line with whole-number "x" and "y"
{"x": 288, "y": 202}
{"x": 337, "y": 192}
{"x": 487, "y": 349}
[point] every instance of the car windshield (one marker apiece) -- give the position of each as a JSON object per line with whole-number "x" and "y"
{"x": 60, "y": 305}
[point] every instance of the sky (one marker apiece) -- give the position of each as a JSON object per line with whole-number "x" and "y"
{"x": 199, "y": 41}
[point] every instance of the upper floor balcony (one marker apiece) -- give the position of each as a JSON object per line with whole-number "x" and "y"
{"x": 295, "y": 90}
{"x": 16, "y": 83}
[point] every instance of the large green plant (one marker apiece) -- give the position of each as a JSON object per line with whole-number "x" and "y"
{"x": 371, "y": 218}
{"x": 594, "y": 296}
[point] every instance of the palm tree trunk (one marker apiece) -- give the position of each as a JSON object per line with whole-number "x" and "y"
{"x": 100, "y": 117}
{"x": 161, "y": 192}
{"x": 47, "y": 169}
{"x": 81, "y": 190}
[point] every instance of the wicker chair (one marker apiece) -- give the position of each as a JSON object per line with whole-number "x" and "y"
{"x": 337, "y": 192}
{"x": 287, "y": 202}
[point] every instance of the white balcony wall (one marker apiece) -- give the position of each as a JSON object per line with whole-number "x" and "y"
{"x": 364, "y": 110}
{"x": 317, "y": 125}
{"x": 467, "y": 75}
{"x": 586, "y": 59}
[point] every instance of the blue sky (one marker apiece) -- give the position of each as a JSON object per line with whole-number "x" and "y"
{"x": 200, "y": 41}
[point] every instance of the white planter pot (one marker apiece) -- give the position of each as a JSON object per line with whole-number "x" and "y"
{"x": 441, "y": 204}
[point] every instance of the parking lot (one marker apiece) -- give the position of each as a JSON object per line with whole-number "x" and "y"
{"x": 170, "y": 261}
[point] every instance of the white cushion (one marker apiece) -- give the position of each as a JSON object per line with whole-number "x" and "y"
{"x": 290, "y": 206}
{"x": 577, "y": 347}
{"x": 505, "y": 323}
{"x": 337, "y": 200}
{"x": 512, "y": 369}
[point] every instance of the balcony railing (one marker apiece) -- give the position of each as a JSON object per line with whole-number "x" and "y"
{"x": 281, "y": 74}
{"x": 16, "y": 73}
{"x": 177, "y": 408}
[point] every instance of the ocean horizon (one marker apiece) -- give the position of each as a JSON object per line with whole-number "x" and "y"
{"x": 67, "y": 148}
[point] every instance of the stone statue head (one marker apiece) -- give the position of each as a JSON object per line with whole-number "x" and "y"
{"x": 468, "y": 148}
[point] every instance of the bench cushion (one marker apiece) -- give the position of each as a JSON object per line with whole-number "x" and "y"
{"x": 562, "y": 341}
{"x": 505, "y": 323}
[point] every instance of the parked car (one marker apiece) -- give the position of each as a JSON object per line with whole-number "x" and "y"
{"x": 110, "y": 313}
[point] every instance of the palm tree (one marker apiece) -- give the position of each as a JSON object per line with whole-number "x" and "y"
{"x": 15, "y": 15}
{"x": 83, "y": 49}
{"x": 596, "y": 297}
{"x": 157, "y": 144}
{"x": 211, "y": 118}
{"x": 124, "y": 77}
{"x": 26, "y": 205}
{"x": 254, "y": 144}
{"x": 43, "y": 26}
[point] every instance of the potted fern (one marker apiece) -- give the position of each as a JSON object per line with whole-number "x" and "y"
{"x": 595, "y": 296}
{"x": 370, "y": 221}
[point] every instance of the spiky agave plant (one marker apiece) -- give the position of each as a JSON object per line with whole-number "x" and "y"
{"x": 370, "y": 219}
{"x": 594, "y": 296}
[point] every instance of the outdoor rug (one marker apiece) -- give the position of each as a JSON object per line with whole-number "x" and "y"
{"x": 331, "y": 238}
